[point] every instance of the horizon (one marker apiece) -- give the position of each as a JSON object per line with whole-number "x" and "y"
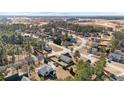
{"x": 61, "y": 14}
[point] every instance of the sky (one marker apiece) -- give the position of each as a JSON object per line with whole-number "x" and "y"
{"x": 61, "y": 13}
{"x": 80, "y": 7}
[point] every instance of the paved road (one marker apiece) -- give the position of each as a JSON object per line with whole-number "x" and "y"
{"x": 117, "y": 68}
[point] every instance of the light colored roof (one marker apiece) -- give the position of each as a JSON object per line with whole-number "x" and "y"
{"x": 105, "y": 43}
{"x": 25, "y": 79}
{"x": 52, "y": 65}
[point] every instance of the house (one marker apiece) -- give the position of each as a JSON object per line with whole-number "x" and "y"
{"x": 47, "y": 48}
{"x": 73, "y": 40}
{"x": 46, "y": 70}
{"x": 16, "y": 77}
{"x": 67, "y": 43}
{"x": 119, "y": 52}
{"x": 66, "y": 59}
{"x": 114, "y": 57}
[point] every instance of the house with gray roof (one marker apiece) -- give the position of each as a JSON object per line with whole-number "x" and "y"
{"x": 66, "y": 59}
{"x": 46, "y": 70}
{"x": 114, "y": 57}
{"x": 47, "y": 48}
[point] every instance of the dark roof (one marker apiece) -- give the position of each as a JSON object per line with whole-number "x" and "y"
{"x": 66, "y": 59}
{"x": 47, "y": 48}
{"x": 15, "y": 77}
{"x": 114, "y": 56}
{"x": 73, "y": 40}
{"x": 67, "y": 43}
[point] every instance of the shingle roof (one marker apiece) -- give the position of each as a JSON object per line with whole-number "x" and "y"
{"x": 65, "y": 59}
{"x": 47, "y": 48}
{"x": 116, "y": 56}
{"x": 45, "y": 70}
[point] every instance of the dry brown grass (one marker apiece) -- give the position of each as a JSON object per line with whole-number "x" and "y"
{"x": 83, "y": 50}
{"x": 34, "y": 76}
{"x": 55, "y": 48}
{"x": 61, "y": 73}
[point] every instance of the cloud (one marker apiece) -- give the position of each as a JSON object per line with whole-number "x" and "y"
{"x": 61, "y": 6}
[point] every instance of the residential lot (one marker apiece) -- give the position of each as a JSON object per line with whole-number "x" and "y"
{"x": 55, "y": 48}
{"x": 54, "y": 51}
{"x": 83, "y": 50}
{"x": 62, "y": 74}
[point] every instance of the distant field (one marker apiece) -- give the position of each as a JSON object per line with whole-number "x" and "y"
{"x": 105, "y": 23}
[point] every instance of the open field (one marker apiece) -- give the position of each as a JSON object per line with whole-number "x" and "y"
{"x": 100, "y": 22}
